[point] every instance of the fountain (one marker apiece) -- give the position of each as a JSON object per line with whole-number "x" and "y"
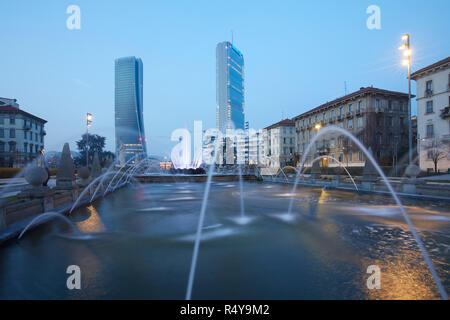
{"x": 44, "y": 216}
{"x": 369, "y": 173}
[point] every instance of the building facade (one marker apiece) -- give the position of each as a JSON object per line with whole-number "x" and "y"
{"x": 279, "y": 144}
{"x": 378, "y": 118}
{"x": 129, "y": 123}
{"x": 21, "y": 135}
{"x": 433, "y": 115}
{"x": 229, "y": 87}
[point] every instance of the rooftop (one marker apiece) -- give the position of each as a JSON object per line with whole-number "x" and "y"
{"x": 361, "y": 92}
{"x": 282, "y": 123}
{"x": 11, "y": 109}
{"x": 445, "y": 63}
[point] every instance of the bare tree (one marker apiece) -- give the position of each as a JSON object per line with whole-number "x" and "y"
{"x": 436, "y": 151}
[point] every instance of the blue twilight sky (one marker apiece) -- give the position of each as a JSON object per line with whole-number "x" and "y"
{"x": 298, "y": 54}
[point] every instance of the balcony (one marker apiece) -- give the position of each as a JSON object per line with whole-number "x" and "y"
{"x": 27, "y": 126}
{"x": 43, "y": 132}
{"x": 340, "y": 118}
{"x": 358, "y": 112}
{"x": 428, "y": 93}
{"x": 445, "y": 113}
{"x": 349, "y": 114}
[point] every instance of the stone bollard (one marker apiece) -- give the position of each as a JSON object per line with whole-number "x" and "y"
{"x": 410, "y": 185}
{"x": 370, "y": 174}
{"x": 315, "y": 170}
{"x": 96, "y": 170}
{"x": 84, "y": 174}
{"x": 335, "y": 181}
{"x": 65, "y": 179}
{"x": 35, "y": 176}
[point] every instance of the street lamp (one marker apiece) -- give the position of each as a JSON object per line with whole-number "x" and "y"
{"x": 405, "y": 46}
{"x": 88, "y": 124}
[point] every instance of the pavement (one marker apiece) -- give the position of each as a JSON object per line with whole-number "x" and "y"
{"x": 12, "y": 186}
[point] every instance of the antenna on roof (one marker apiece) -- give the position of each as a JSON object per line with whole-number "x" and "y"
{"x": 345, "y": 88}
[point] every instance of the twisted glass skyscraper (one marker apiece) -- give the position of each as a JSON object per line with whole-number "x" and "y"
{"x": 130, "y": 135}
{"x": 229, "y": 87}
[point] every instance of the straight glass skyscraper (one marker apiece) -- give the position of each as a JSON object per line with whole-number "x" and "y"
{"x": 129, "y": 124}
{"x": 229, "y": 87}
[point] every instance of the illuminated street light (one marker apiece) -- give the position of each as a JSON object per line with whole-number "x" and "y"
{"x": 318, "y": 126}
{"x": 407, "y": 62}
{"x": 88, "y": 124}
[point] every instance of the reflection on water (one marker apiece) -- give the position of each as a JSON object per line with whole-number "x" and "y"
{"x": 137, "y": 243}
{"x": 93, "y": 224}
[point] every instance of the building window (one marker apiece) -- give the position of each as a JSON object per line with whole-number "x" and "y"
{"x": 350, "y": 108}
{"x": 2, "y": 133}
{"x": 360, "y": 122}
{"x": 359, "y": 106}
{"x": 341, "y": 157}
{"x": 360, "y": 156}
{"x": 25, "y": 147}
{"x": 389, "y": 104}
{"x": 377, "y": 103}
{"x": 12, "y": 147}
{"x": 12, "y": 120}
{"x": 31, "y": 148}
{"x": 2, "y": 146}
{"x": 12, "y": 133}
{"x": 429, "y": 85}
{"x": 2, "y": 120}
{"x": 350, "y": 157}
{"x": 350, "y": 123}
{"x": 429, "y": 107}
{"x": 332, "y": 113}
{"x": 340, "y": 111}
{"x": 378, "y": 137}
{"x": 430, "y": 131}
{"x": 332, "y": 143}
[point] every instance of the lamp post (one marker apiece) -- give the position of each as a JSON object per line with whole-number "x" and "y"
{"x": 88, "y": 124}
{"x": 407, "y": 61}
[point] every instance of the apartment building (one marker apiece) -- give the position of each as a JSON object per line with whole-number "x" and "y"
{"x": 433, "y": 116}
{"x": 21, "y": 134}
{"x": 279, "y": 144}
{"x": 378, "y": 118}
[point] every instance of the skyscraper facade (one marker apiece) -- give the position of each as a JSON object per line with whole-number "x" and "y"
{"x": 129, "y": 123}
{"x": 229, "y": 87}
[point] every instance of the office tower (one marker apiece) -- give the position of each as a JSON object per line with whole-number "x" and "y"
{"x": 130, "y": 135}
{"x": 229, "y": 87}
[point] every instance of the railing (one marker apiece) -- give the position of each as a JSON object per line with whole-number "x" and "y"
{"x": 26, "y": 126}
{"x": 350, "y": 114}
{"x": 428, "y": 92}
{"x": 445, "y": 113}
